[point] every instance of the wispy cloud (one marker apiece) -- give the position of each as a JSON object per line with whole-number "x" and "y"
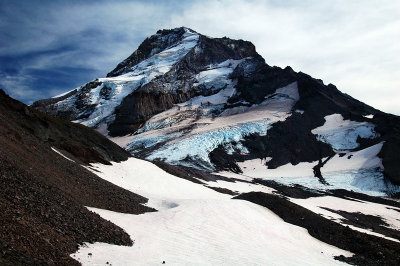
{"x": 352, "y": 44}
{"x": 47, "y": 47}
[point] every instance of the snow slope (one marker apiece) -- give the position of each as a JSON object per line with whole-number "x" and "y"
{"x": 342, "y": 134}
{"x": 198, "y": 226}
{"x": 364, "y": 159}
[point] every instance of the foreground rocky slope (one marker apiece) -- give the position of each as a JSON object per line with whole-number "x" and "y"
{"x": 214, "y": 104}
{"x": 44, "y": 189}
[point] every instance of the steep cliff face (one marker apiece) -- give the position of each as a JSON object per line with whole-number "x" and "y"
{"x": 214, "y": 104}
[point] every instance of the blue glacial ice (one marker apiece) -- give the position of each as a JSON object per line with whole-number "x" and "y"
{"x": 147, "y": 142}
{"x": 198, "y": 146}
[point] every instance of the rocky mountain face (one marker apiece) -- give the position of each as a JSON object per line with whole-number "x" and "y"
{"x": 44, "y": 189}
{"x": 214, "y": 104}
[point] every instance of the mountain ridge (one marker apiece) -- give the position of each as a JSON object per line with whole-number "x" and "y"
{"x": 178, "y": 83}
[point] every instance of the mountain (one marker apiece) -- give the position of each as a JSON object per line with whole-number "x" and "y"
{"x": 46, "y": 184}
{"x": 213, "y": 104}
{"x": 245, "y": 163}
{"x": 57, "y": 208}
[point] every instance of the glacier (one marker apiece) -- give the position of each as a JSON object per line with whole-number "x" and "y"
{"x": 184, "y": 136}
{"x": 199, "y": 146}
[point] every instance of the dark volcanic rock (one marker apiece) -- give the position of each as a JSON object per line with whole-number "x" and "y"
{"x": 369, "y": 222}
{"x": 222, "y": 161}
{"x": 217, "y": 50}
{"x": 140, "y": 105}
{"x": 296, "y": 191}
{"x": 256, "y": 80}
{"x": 389, "y": 128}
{"x": 390, "y": 159}
{"x": 83, "y": 143}
{"x": 291, "y": 141}
{"x": 192, "y": 174}
{"x": 345, "y": 194}
{"x": 47, "y": 106}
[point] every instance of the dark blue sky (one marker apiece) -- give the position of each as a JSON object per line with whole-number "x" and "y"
{"x": 49, "y": 47}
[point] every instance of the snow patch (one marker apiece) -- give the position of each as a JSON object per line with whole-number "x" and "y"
{"x": 59, "y": 153}
{"x": 146, "y": 179}
{"x": 364, "y": 159}
{"x": 299, "y": 111}
{"x": 217, "y": 76}
{"x": 342, "y": 134}
{"x": 290, "y": 90}
{"x": 257, "y": 168}
{"x": 230, "y": 148}
{"x": 368, "y": 116}
{"x": 62, "y": 94}
{"x": 218, "y": 98}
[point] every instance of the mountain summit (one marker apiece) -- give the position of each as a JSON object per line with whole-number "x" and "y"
{"x": 213, "y": 104}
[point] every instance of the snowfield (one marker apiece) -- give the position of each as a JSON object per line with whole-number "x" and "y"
{"x": 342, "y": 134}
{"x": 198, "y": 226}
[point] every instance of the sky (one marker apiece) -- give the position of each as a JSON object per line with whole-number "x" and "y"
{"x": 49, "y": 47}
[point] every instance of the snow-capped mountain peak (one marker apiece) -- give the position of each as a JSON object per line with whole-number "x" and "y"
{"x": 95, "y": 102}
{"x": 158, "y": 42}
{"x": 214, "y": 104}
